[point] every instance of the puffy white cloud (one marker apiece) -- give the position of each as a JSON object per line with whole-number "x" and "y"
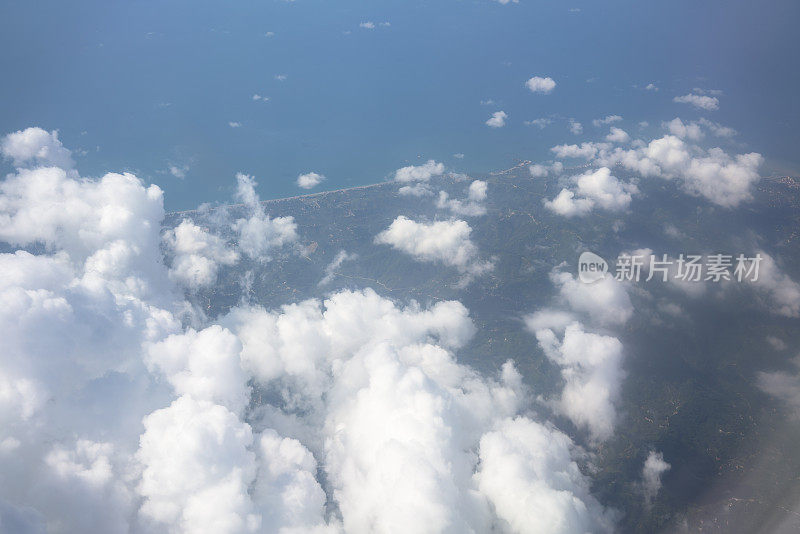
{"x": 286, "y": 490}
{"x": 115, "y": 416}
{"x": 533, "y": 484}
{"x": 472, "y": 206}
{"x": 593, "y": 189}
{"x": 678, "y": 128}
{"x": 50, "y": 206}
{"x": 197, "y": 255}
{"x": 651, "y": 87}
{"x": 617, "y": 135}
{"x": 549, "y": 318}
{"x": 417, "y": 178}
{"x": 477, "y": 191}
{"x": 538, "y": 170}
{"x": 204, "y": 365}
{"x": 37, "y": 147}
{"x": 605, "y": 302}
{"x": 575, "y": 127}
{"x": 654, "y": 467}
{"x": 368, "y": 25}
{"x": 51, "y": 311}
{"x": 73, "y": 319}
{"x": 259, "y": 233}
{"x": 309, "y": 180}
{"x": 604, "y": 189}
{"x": 197, "y": 469}
{"x": 401, "y": 417}
{"x": 567, "y": 204}
{"x": 591, "y": 366}
{"x": 721, "y": 178}
{"x": 297, "y": 341}
{"x": 693, "y": 130}
{"x": 445, "y": 242}
{"x": 537, "y": 84}
{"x": 419, "y": 173}
{"x": 584, "y": 150}
{"x": 398, "y": 456}
{"x": 497, "y": 120}
{"x": 102, "y": 273}
{"x": 608, "y": 119}
{"x": 708, "y": 103}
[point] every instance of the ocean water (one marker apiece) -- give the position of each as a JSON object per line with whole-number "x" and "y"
{"x": 153, "y": 87}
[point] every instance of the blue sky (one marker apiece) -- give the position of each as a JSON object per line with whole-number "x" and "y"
{"x": 145, "y": 86}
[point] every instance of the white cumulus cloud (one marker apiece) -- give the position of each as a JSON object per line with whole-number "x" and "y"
{"x": 538, "y": 84}
{"x": 617, "y": 135}
{"x": 444, "y": 242}
{"x": 591, "y": 363}
{"x": 419, "y": 173}
{"x": 497, "y": 120}
{"x": 197, "y": 254}
{"x": 591, "y": 366}
{"x": 259, "y": 233}
{"x": 472, "y": 206}
{"x": 654, "y": 467}
{"x": 309, "y": 180}
{"x": 724, "y": 179}
{"x": 584, "y": 150}
{"x": 709, "y": 103}
{"x": 126, "y": 410}
{"x": 36, "y": 146}
{"x": 593, "y": 189}
{"x": 689, "y": 130}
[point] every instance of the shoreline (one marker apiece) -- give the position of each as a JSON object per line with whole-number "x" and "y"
{"x": 284, "y": 199}
{"x": 509, "y": 170}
